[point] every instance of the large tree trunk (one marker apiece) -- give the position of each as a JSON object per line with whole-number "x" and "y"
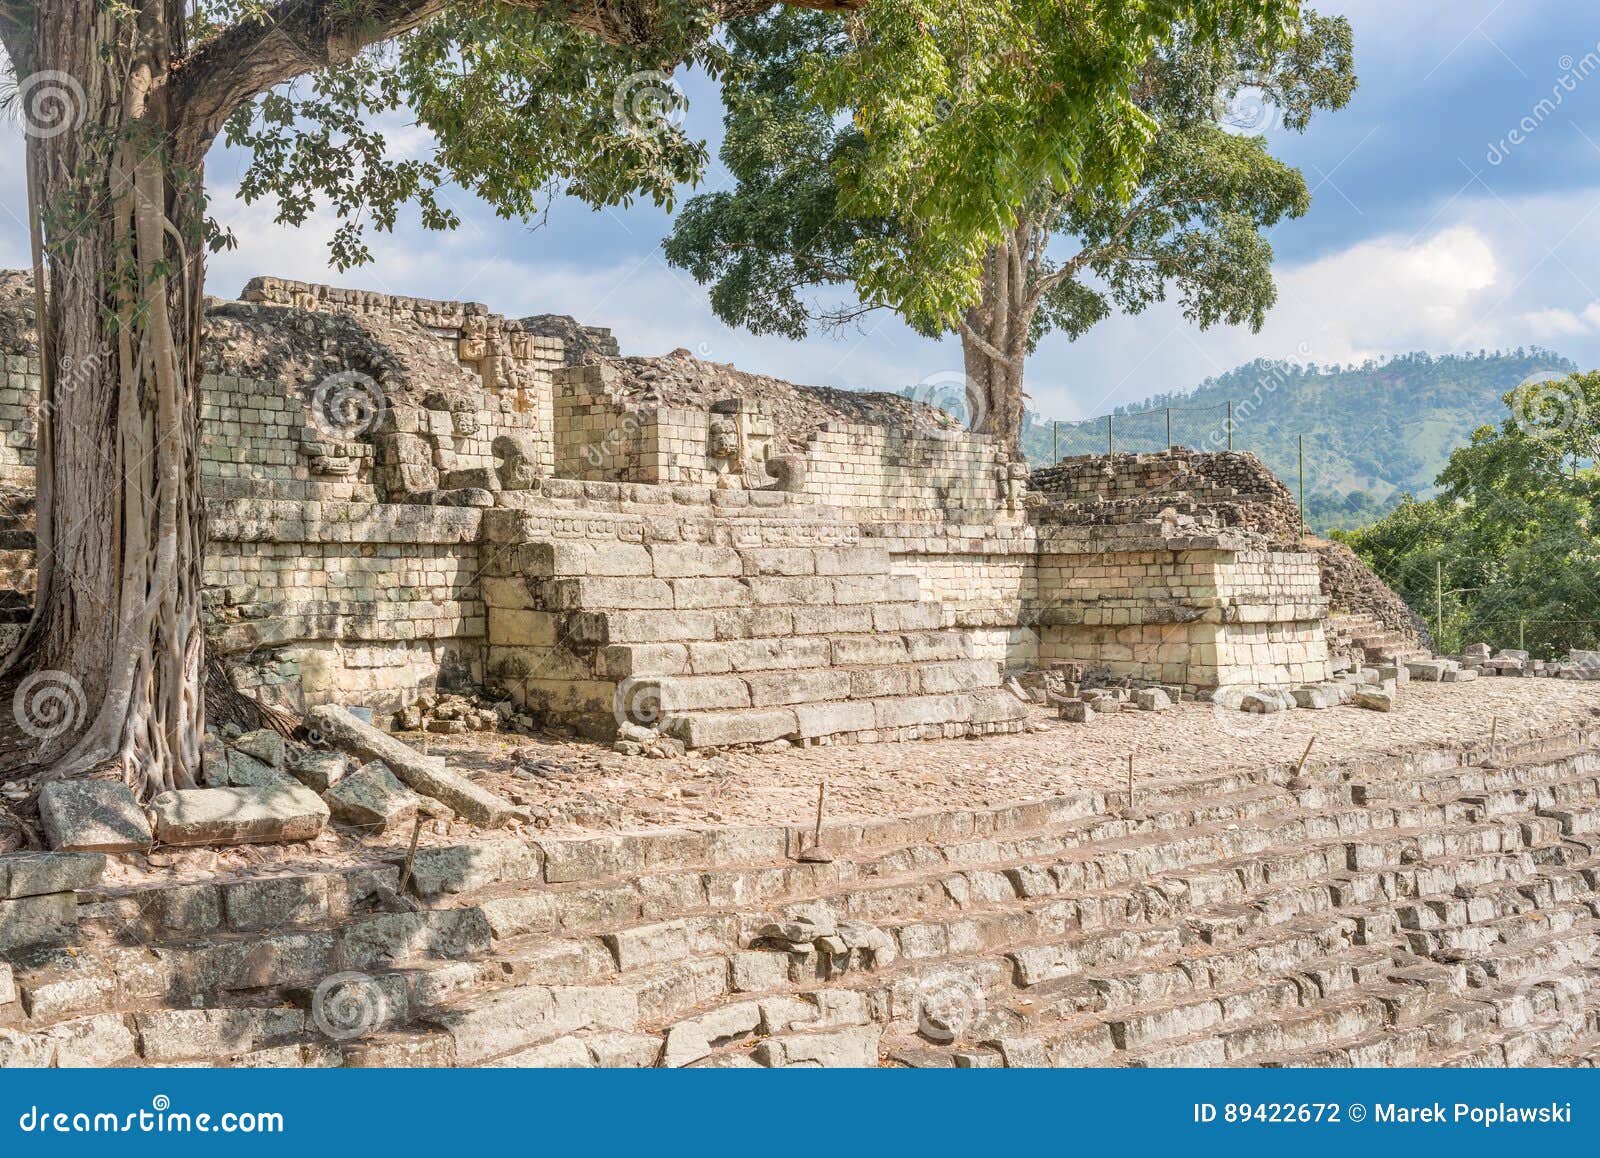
{"x": 113, "y": 658}
{"x": 994, "y": 342}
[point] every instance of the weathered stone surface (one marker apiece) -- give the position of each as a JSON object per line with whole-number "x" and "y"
{"x": 854, "y": 1048}
{"x": 1152, "y": 699}
{"x": 464, "y": 867}
{"x": 1319, "y": 696}
{"x": 695, "y": 1037}
{"x": 317, "y": 769}
{"x": 371, "y": 797}
{"x": 1374, "y": 699}
{"x": 8, "y": 984}
{"x": 219, "y": 816}
{"x": 92, "y": 816}
{"x": 32, "y": 874}
{"x": 167, "y": 1035}
{"x": 424, "y": 774}
{"x": 245, "y": 771}
{"x": 38, "y": 920}
{"x": 264, "y": 744}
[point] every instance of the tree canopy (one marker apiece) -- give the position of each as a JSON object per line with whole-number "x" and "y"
{"x": 1511, "y": 541}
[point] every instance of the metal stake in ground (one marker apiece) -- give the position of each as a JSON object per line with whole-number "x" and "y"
{"x": 816, "y": 854}
{"x": 1130, "y": 780}
{"x": 1298, "y": 782}
{"x": 1491, "y": 761}
{"x": 411, "y": 856}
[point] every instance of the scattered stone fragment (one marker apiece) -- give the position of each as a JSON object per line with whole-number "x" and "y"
{"x": 264, "y": 744}
{"x": 317, "y": 769}
{"x": 424, "y": 774}
{"x": 245, "y": 771}
{"x": 8, "y": 984}
{"x": 1152, "y": 699}
{"x": 1319, "y": 696}
{"x": 1375, "y": 699}
{"x": 371, "y": 797}
{"x": 221, "y": 816}
{"x": 92, "y": 816}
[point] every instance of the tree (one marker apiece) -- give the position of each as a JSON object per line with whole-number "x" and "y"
{"x": 123, "y": 98}
{"x": 1510, "y": 547}
{"x": 1192, "y": 223}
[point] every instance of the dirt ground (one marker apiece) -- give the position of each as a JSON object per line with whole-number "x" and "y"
{"x": 572, "y": 787}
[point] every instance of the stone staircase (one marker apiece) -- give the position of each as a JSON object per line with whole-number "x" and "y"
{"x": 1420, "y": 910}
{"x": 724, "y": 644}
{"x": 1379, "y": 643}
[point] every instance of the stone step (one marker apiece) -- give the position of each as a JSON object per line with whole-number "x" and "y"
{"x": 982, "y": 711}
{"x": 676, "y": 694}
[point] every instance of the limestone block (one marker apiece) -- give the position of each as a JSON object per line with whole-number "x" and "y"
{"x": 91, "y": 816}
{"x": 694, "y": 1038}
{"x": 33, "y": 874}
{"x": 425, "y": 774}
{"x": 38, "y": 920}
{"x": 720, "y": 729}
{"x": 222, "y": 816}
{"x": 796, "y": 687}
{"x": 317, "y": 769}
{"x": 8, "y": 983}
{"x": 1374, "y": 699}
{"x": 264, "y": 744}
{"x": 372, "y": 798}
{"x": 243, "y": 771}
{"x": 834, "y": 719}
{"x": 1319, "y": 696}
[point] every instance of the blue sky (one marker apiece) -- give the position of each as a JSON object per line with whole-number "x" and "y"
{"x": 1431, "y": 228}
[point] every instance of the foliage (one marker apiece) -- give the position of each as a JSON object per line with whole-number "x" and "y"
{"x": 1113, "y": 142}
{"x": 1511, "y": 540}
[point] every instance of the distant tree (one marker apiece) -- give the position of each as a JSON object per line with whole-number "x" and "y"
{"x": 1512, "y": 539}
{"x": 1191, "y": 223}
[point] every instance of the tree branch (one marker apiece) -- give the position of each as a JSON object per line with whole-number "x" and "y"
{"x": 296, "y": 37}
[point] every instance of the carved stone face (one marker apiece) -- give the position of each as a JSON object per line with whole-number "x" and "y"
{"x": 724, "y": 439}
{"x": 464, "y": 417}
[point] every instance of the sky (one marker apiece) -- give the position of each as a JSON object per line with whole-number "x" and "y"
{"x": 1456, "y": 207}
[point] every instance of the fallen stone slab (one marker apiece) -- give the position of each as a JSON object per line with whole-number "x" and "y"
{"x": 93, "y": 816}
{"x": 372, "y": 798}
{"x": 264, "y": 744}
{"x": 33, "y": 874}
{"x": 1429, "y": 670}
{"x": 1263, "y": 701}
{"x": 245, "y": 771}
{"x": 1459, "y": 675}
{"x": 1319, "y": 696}
{"x": 317, "y": 770}
{"x": 1374, "y": 699}
{"x": 221, "y": 816}
{"x": 425, "y": 774}
{"x": 1076, "y": 712}
{"x": 38, "y": 920}
{"x": 1152, "y": 700}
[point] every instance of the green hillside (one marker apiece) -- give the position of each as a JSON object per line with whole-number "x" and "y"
{"x": 1372, "y": 432}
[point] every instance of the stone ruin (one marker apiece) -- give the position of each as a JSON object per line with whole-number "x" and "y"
{"x": 410, "y": 499}
{"x": 425, "y": 509}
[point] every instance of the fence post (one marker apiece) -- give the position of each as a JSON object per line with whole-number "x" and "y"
{"x": 1111, "y": 442}
{"x": 1438, "y": 605}
{"x": 1055, "y": 442}
{"x": 1169, "y": 428}
{"x": 1302, "y": 486}
{"x": 1230, "y": 424}
{"x": 1522, "y": 635}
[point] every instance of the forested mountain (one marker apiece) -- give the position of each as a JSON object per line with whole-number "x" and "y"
{"x": 1372, "y": 432}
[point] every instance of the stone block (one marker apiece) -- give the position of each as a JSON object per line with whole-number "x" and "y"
{"x": 1151, "y": 700}
{"x": 465, "y": 867}
{"x": 264, "y": 744}
{"x": 695, "y": 1037}
{"x": 38, "y": 920}
{"x": 371, "y": 798}
{"x": 8, "y": 983}
{"x": 223, "y": 816}
{"x": 720, "y": 729}
{"x": 831, "y": 719}
{"x": 245, "y": 771}
{"x": 31, "y": 874}
{"x": 1318, "y": 696}
{"x": 93, "y": 816}
{"x": 424, "y": 774}
{"x": 317, "y": 769}
{"x": 1374, "y": 699}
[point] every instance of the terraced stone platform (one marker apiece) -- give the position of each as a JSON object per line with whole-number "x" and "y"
{"x": 1438, "y": 909}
